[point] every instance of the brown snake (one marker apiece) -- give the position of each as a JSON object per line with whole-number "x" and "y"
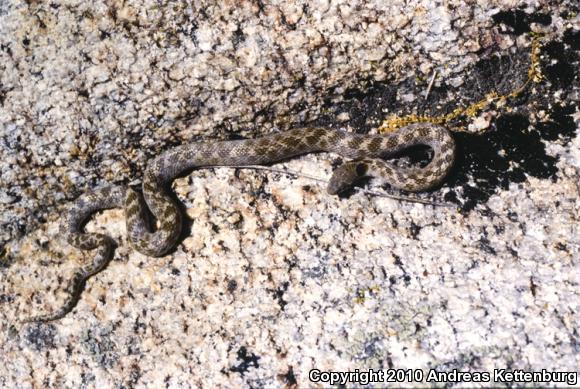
{"x": 365, "y": 150}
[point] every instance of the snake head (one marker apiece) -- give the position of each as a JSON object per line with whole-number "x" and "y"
{"x": 345, "y": 176}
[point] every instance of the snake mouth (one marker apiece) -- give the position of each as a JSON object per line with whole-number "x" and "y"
{"x": 345, "y": 176}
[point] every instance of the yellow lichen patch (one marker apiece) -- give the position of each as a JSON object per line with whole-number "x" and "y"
{"x": 362, "y": 294}
{"x": 394, "y": 122}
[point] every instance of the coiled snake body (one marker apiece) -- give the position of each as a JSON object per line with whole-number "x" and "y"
{"x": 365, "y": 150}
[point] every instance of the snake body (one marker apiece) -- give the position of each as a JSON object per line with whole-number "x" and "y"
{"x": 366, "y": 152}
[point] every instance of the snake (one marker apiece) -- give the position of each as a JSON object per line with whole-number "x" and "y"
{"x": 157, "y": 236}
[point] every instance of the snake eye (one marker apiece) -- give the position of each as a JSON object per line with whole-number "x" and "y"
{"x": 361, "y": 169}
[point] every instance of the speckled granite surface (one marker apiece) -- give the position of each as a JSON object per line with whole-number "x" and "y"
{"x": 275, "y": 277}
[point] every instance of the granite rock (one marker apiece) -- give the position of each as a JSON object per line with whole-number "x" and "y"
{"x": 274, "y": 277}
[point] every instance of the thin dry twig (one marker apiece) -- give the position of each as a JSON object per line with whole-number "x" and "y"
{"x": 367, "y": 191}
{"x": 430, "y": 84}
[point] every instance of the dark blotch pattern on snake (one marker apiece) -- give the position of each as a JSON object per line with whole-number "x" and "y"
{"x": 365, "y": 150}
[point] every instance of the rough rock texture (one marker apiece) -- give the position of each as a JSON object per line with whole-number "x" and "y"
{"x": 274, "y": 277}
